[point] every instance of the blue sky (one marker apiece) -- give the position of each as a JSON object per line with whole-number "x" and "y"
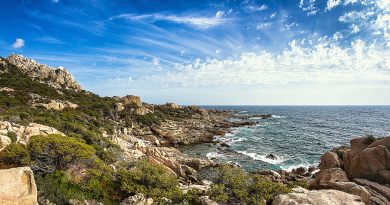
{"x": 211, "y": 52}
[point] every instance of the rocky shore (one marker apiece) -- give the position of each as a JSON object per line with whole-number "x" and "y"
{"x": 55, "y": 129}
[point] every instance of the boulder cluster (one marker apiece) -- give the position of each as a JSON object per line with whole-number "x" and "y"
{"x": 362, "y": 169}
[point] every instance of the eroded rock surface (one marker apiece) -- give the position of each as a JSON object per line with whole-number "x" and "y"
{"x": 55, "y": 77}
{"x": 17, "y": 187}
{"x": 317, "y": 197}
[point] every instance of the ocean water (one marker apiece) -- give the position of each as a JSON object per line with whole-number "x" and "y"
{"x": 296, "y": 135}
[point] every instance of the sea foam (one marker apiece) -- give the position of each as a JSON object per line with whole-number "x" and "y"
{"x": 263, "y": 158}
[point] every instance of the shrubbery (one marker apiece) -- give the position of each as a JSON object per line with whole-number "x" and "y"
{"x": 14, "y": 155}
{"x": 56, "y": 152}
{"x": 235, "y": 186}
{"x": 150, "y": 179}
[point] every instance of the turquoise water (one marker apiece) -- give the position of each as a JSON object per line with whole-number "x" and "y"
{"x": 296, "y": 135}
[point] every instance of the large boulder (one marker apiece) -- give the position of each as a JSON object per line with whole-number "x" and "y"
{"x": 173, "y": 105}
{"x": 317, "y": 197}
{"x": 329, "y": 160}
{"x": 326, "y": 176}
{"x": 336, "y": 178}
{"x": 131, "y": 99}
{"x": 17, "y": 187}
{"x": 369, "y": 160}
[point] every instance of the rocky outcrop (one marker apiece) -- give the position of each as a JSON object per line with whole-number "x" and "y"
{"x": 173, "y": 105}
{"x": 175, "y": 161}
{"x": 17, "y": 187}
{"x": 366, "y": 163}
{"x": 54, "y": 77}
{"x": 317, "y": 197}
{"x": 131, "y": 100}
{"x": 379, "y": 194}
{"x": 138, "y": 199}
{"x": 367, "y": 158}
{"x": 23, "y": 133}
{"x": 56, "y": 105}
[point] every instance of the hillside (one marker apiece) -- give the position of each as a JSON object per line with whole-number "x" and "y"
{"x": 81, "y": 146}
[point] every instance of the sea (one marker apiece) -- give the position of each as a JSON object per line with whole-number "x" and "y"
{"x": 296, "y": 135}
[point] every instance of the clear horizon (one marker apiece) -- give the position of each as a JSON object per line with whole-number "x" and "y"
{"x": 253, "y": 52}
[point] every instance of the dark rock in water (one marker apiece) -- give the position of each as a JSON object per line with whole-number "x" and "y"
{"x": 271, "y": 156}
{"x": 224, "y": 144}
{"x": 299, "y": 171}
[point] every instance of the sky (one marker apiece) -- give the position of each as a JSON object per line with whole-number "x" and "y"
{"x": 252, "y": 52}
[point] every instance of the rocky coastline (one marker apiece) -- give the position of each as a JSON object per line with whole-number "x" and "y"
{"x": 117, "y": 134}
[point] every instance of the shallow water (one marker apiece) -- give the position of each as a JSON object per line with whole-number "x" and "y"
{"x": 296, "y": 135}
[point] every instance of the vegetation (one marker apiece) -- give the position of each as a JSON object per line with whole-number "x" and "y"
{"x": 369, "y": 139}
{"x": 233, "y": 185}
{"x": 12, "y": 136}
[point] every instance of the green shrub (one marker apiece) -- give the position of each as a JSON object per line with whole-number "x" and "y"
{"x": 369, "y": 139}
{"x": 218, "y": 193}
{"x": 150, "y": 179}
{"x": 12, "y": 136}
{"x": 234, "y": 186}
{"x": 58, "y": 152}
{"x": 58, "y": 188}
{"x": 14, "y": 155}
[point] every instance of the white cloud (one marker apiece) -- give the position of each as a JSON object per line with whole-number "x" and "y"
{"x": 332, "y": 3}
{"x": 217, "y": 51}
{"x": 19, "y": 43}
{"x": 263, "y": 25}
{"x": 263, "y": 7}
{"x": 219, "y": 14}
{"x": 258, "y": 8}
{"x": 55, "y": 1}
{"x": 309, "y": 7}
{"x": 325, "y": 62}
{"x": 156, "y": 61}
{"x": 346, "y": 2}
{"x": 273, "y": 15}
{"x": 355, "y": 28}
{"x": 196, "y": 21}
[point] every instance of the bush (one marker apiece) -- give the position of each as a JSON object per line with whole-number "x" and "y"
{"x": 14, "y": 155}
{"x": 369, "y": 139}
{"x": 151, "y": 180}
{"x": 12, "y": 136}
{"x": 234, "y": 186}
{"x": 53, "y": 152}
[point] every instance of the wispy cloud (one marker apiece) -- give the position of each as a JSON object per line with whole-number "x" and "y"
{"x": 50, "y": 40}
{"x": 192, "y": 20}
{"x": 258, "y": 8}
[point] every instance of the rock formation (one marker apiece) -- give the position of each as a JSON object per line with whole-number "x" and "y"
{"x": 17, "y": 187}
{"x": 23, "y": 133}
{"x": 56, "y": 105}
{"x": 359, "y": 169}
{"x": 302, "y": 196}
{"x": 55, "y": 77}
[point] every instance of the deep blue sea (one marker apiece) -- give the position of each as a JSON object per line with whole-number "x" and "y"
{"x": 297, "y": 135}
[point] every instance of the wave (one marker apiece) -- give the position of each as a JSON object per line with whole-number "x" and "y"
{"x": 213, "y": 155}
{"x": 278, "y": 116}
{"x": 244, "y": 111}
{"x": 289, "y": 168}
{"x": 263, "y": 158}
{"x": 231, "y": 141}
